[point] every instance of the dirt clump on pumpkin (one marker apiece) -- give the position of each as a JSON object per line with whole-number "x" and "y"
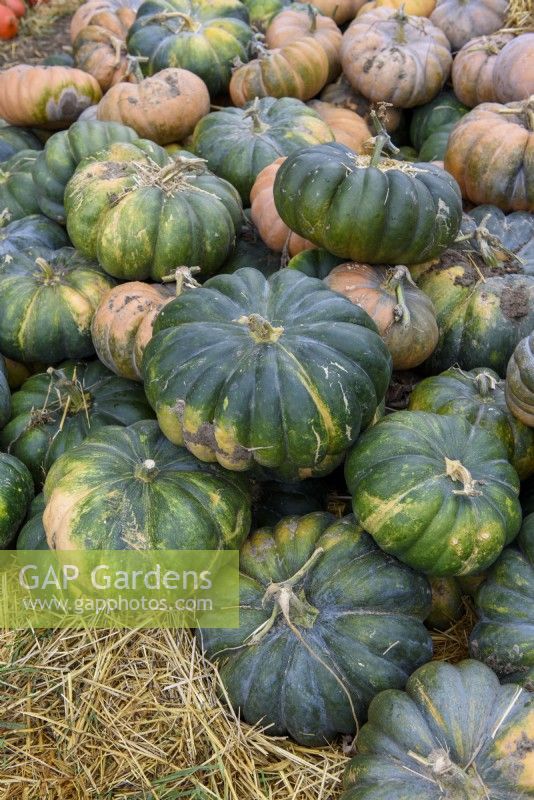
{"x": 515, "y": 302}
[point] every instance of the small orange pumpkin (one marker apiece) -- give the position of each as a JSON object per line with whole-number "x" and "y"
{"x": 347, "y": 127}
{"x": 9, "y": 24}
{"x": 341, "y": 11}
{"x": 514, "y": 70}
{"x": 473, "y": 69}
{"x": 103, "y": 55}
{"x": 111, "y": 14}
{"x": 463, "y": 20}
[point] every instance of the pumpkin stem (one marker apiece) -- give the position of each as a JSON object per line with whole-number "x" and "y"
{"x": 401, "y": 312}
{"x": 402, "y": 19}
{"x": 70, "y": 394}
{"x": 183, "y": 277}
{"x": 146, "y": 470}
{"x": 486, "y": 384}
{"x": 254, "y": 113}
{"x": 312, "y": 14}
{"x": 382, "y": 140}
{"x": 47, "y": 270}
{"x": 452, "y": 779}
{"x": 261, "y": 329}
{"x": 187, "y": 22}
{"x": 457, "y": 472}
{"x": 491, "y": 247}
{"x": 133, "y": 70}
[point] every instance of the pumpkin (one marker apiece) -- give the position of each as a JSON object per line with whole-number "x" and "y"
{"x": 504, "y": 635}
{"x": 115, "y": 15}
{"x": 489, "y": 155}
{"x": 271, "y": 227}
{"x": 203, "y": 36}
{"x": 473, "y": 69}
{"x": 478, "y": 396}
{"x": 289, "y": 372}
{"x": 251, "y": 249}
{"x": 415, "y": 8}
{"x": 47, "y": 303}
{"x": 348, "y": 128}
{"x": 122, "y": 325}
{"x": 403, "y": 315}
{"x": 238, "y": 143}
{"x": 447, "y": 603}
{"x": 46, "y": 97}
{"x": 130, "y": 488}
{"x": 32, "y": 535}
{"x": 454, "y": 732}
{"x": 435, "y": 491}
{"x": 272, "y": 500}
{"x": 510, "y": 233}
{"x": 181, "y": 212}
{"x": 17, "y": 373}
{"x": 299, "y": 69}
{"x": 316, "y": 263}
{"x": 392, "y": 57}
{"x": 9, "y": 24}
{"x": 261, "y": 12}
{"x": 318, "y": 194}
{"x": 16, "y": 494}
{"x": 17, "y": 191}
{"x": 102, "y": 54}
{"x": 34, "y": 230}
{"x": 326, "y": 621}
{"x": 58, "y": 60}
{"x": 164, "y": 108}
{"x": 55, "y": 410}
{"x": 341, "y": 11}
{"x": 55, "y": 166}
{"x": 520, "y": 383}
{"x": 5, "y": 394}
{"x": 341, "y": 94}
{"x": 463, "y": 20}
{"x": 435, "y": 147}
{"x": 434, "y": 116}
{"x": 13, "y": 139}
{"x": 302, "y": 19}
{"x": 514, "y": 70}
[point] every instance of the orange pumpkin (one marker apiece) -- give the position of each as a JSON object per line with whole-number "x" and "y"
{"x": 392, "y": 57}
{"x": 417, "y": 8}
{"x": 9, "y": 24}
{"x": 403, "y": 314}
{"x": 514, "y": 70}
{"x": 45, "y": 97}
{"x": 111, "y": 14}
{"x": 273, "y": 231}
{"x": 303, "y": 20}
{"x": 473, "y": 70}
{"x": 341, "y": 11}
{"x": 463, "y": 20}
{"x": 16, "y": 6}
{"x": 103, "y": 55}
{"x": 347, "y": 127}
{"x": 164, "y": 108}
{"x": 341, "y": 94}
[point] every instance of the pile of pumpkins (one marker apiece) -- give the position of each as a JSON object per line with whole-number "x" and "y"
{"x": 222, "y": 230}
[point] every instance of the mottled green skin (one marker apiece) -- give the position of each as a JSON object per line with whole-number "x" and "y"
{"x": 261, "y": 12}
{"x": 367, "y": 626}
{"x": 403, "y": 496}
{"x": 17, "y": 190}
{"x": 45, "y": 423}
{"x": 5, "y": 394}
{"x": 504, "y": 636}
{"x": 433, "y": 148}
{"x": 13, "y": 140}
{"x": 273, "y": 500}
{"x": 239, "y": 142}
{"x": 219, "y": 34}
{"x": 189, "y": 220}
{"x": 459, "y": 718}
{"x": 16, "y": 494}
{"x": 251, "y": 251}
{"x": 315, "y": 263}
{"x": 32, "y": 535}
{"x": 444, "y": 109}
{"x": 55, "y": 166}
{"x": 182, "y": 504}
{"x": 478, "y": 397}
{"x": 46, "y": 312}
{"x": 294, "y": 404}
{"x": 36, "y": 231}
{"x": 376, "y": 215}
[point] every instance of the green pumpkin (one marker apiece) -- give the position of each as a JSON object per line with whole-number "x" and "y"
{"x": 262, "y": 12}
{"x": 279, "y": 372}
{"x": 35, "y": 231}
{"x": 435, "y": 491}
{"x": 454, "y": 734}
{"x": 17, "y": 190}
{"x": 180, "y": 212}
{"x": 504, "y": 635}
{"x": 326, "y": 621}
{"x": 13, "y": 140}
{"x": 356, "y": 206}
{"x": 32, "y": 535}
{"x": 47, "y": 304}
{"x": 478, "y": 396}
{"x": 5, "y": 394}
{"x": 203, "y": 36}
{"x": 433, "y": 148}
{"x": 130, "y": 488}
{"x": 55, "y": 166}
{"x": 239, "y": 142}
{"x": 54, "y": 411}
{"x": 407, "y": 153}
{"x": 316, "y": 263}
{"x": 250, "y": 250}
{"x": 58, "y": 60}
{"x": 16, "y": 494}
{"x": 515, "y": 231}
{"x": 272, "y": 500}
{"x": 444, "y": 109}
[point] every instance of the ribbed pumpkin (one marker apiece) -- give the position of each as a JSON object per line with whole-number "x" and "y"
{"x": 416, "y": 8}
{"x": 463, "y": 20}
{"x": 111, "y": 14}
{"x": 340, "y": 10}
{"x": 103, "y": 55}
{"x": 392, "y": 57}
{"x": 182, "y": 214}
{"x": 164, "y": 108}
{"x": 203, "y": 36}
{"x": 520, "y": 381}
{"x": 341, "y": 94}
{"x": 16, "y": 494}
{"x": 478, "y": 396}
{"x": 34, "y": 230}
{"x": 402, "y": 313}
{"x": 47, "y": 303}
{"x": 435, "y": 491}
{"x": 13, "y": 139}
{"x": 514, "y": 69}
{"x": 130, "y": 488}
{"x": 326, "y": 621}
{"x": 46, "y": 97}
{"x": 261, "y": 12}
{"x": 488, "y": 154}
{"x": 504, "y": 635}
{"x": 473, "y": 69}
{"x": 316, "y": 263}
{"x": 32, "y": 535}
{"x": 17, "y": 191}
{"x": 348, "y": 128}
{"x": 56, "y": 410}
{"x": 238, "y": 143}
{"x": 289, "y": 372}
{"x": 5, "y": 394}
{"x": 55, "y": 166}
{"x": 319, "y": 193}
{"x": 434, "y": 116}
{"x": 454, "y": 733}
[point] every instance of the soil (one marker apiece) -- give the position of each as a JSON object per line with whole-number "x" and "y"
{"x": 32, "y": 48}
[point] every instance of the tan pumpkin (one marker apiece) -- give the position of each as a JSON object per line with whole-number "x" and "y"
{"x": 114, "y": 15}
{"x": 392, "y": 57}
{"x": 347, "y": 127}
{"x": 303, "y": 20}
{"x": 417, "y": 8}
{"x": 341, "y": 94}
{"x": 46, "y": 97}
{"x": 341, "y": 11}
{"x": 103, "y": 55}
{"x": 299, "y": 69}
{"x": 463, "y": 20}
{"x": 273, "y": 231}
{"x": 490, "y": 152}
{"x": 164, "y": 108}
{"x": 473, "y": 69}
{"x": 514, "y": 70}
{"x": 403, "y": 314}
